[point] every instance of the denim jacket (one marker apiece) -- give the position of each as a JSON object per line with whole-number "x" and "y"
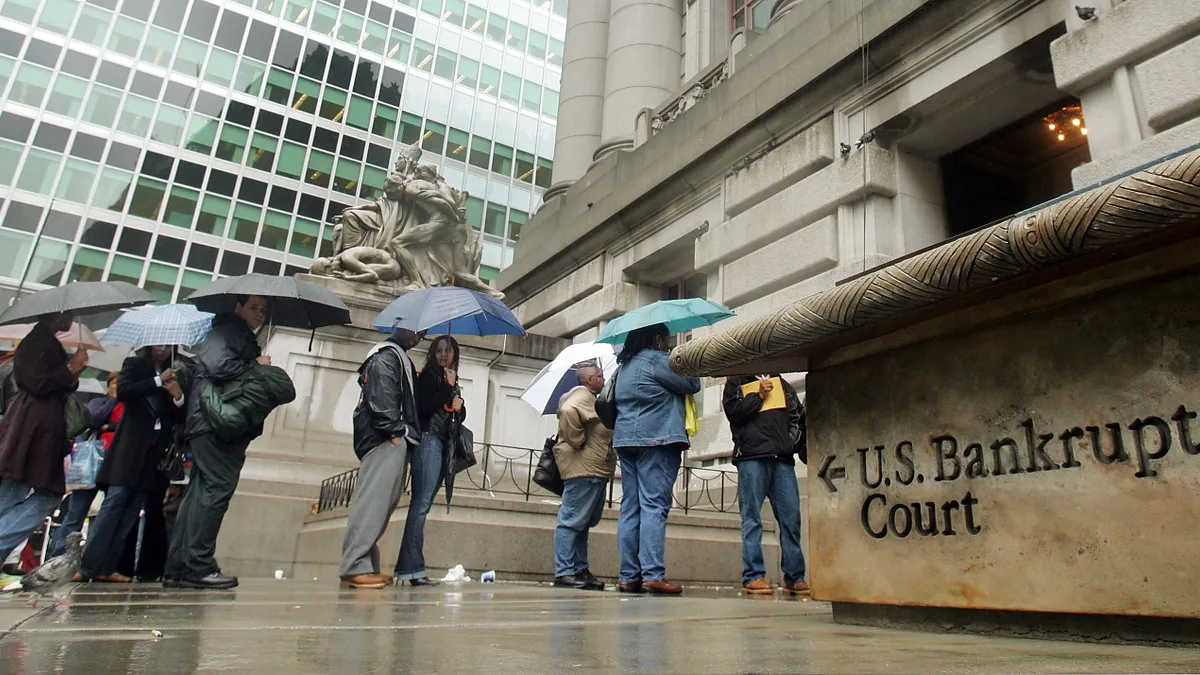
{"x": 649, "y": 397}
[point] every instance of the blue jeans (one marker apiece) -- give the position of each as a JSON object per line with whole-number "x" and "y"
{"x": 582, "y": 506}
{"x": 427, "y": 463}
{"x": 768, "y": 478}
{"x": 647, "y": 483}
{"x": 21, "y": 511}
{"x": 76, "y": 507}
{"x": 106, "y": 541}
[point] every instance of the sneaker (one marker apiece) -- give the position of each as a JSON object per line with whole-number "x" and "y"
{"x": 661, "y": 587}
{"x": 798, "y": 588}
{"x": 359, "y": 581}
{"x": 759, "y": 586}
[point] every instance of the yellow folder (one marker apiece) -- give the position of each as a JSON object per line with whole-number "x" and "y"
{"x": 774, "y": 400}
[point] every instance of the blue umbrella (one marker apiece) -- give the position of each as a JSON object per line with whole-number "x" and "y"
{"x": 678, "y": 316}
{"x": 448, "y": 309}
{"x": 182, "y": 325}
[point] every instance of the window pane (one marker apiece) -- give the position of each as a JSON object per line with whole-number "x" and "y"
{"x": 160, "y": 44}
{"x": 160, "y": 281}
{"x": 181, "y": 207}
{"x": 14, "y": 251}
{"x": 384, "y": 123}
{"x": 457, "y": 146}
{"x": 92, "y": 25}
{"x": 489, "y": 80}
{"x": 475, "y": 212}
{"x": 30, "y": 85}
{"x": 434, "y": 139}
{"x": 245, "y": 223}
{"x": 21, "y": 10}
{"x": 333, "y": 104}
{"x": 537, "y": 44}
{"x": 524, "y": 166}
{"x": 511, "y": 91}
{"x": 350, "y": 30}
{"x": 88, "y": 265}
{"x": 531, "y": 97}
{"x": 550, "y": 103}
{"x": 544, "y": 168}
{"x": 502, "y": 160}
{"x": 494, "y": 219}
{"x": 147, "y": 198}
{"x": 517, "y": 36}
{"x": 102, "y": 106}
{"x": 67, "y": 96}
{"x": 194, "y": 281}
{"x": 445, "y": 65}
{"x": 291, "y": 160}
{"x": 468, "y": 72}
{"x": 136, "y": 116}
{"x": 7, "y": 66}
{"x": 262, "y": 152}
{"x": 306, "y": 96}
{"x": 304, "y": 238}
{"x": 274, "y": 231}
{"x": 39, "y": 172}
{"x": 219, "y": 68}
{"x": 400, "y": 46}
{"x": 190, "y": 59}
{"x": 298, "y": 11}
{"x": 126, "y": 36}
{"x": 169, "y": 127}
{"x": 410, "y": 129}
{"x": 422, "y": 56}
{"x": 515, "y": 220}
{"x": 272, "y": 7}
{"x": 376, "y": 38}
{"x": 554, "y": 54}
{"x": 77, "y": 180}
{"x": 232, "y": 146}
{"x": 481, "y": 150}
{"x": 49, "y": 262}
{"x": 346, "y": 178}
{"x": 476, "y": 18}
{"x": 320, "y": 167}
{"x": 455, "y": 11}
{"x": 58, "y": 15}
{"x": 250, "y": 76}
{"x": 126, "y": 269}
{"x": 360, "y": 113}
{"x": 372, "y": 183}
{"x": 214, "y": 214}
{"x": 279, "y": 87}
{"x": 202, "y": 134}
{"x": 324, "y": 21}
{"x": 497, "y": 27}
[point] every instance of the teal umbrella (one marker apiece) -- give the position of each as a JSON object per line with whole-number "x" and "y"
{"x": 679, "y": 316}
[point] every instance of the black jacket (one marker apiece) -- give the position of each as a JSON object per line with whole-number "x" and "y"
{"x": 8, "y": 385}
{"x": 434, "y": 395}
{"x": 386, "y": 409}
{"x": 228, "y": 351}
{"x": 137, "y": 449}
{"x": 775, "y": 433}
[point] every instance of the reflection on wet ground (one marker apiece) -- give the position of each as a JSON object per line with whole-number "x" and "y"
{"x": 296, "y": 628}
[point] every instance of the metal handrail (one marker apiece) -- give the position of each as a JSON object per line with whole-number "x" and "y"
{"x": 508, "y": 470}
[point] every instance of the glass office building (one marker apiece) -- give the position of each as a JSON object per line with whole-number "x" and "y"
{"x": 167, "y": 142}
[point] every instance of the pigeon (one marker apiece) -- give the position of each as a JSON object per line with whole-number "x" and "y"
{"x": 1085, "y": 13}
{"x": 49, "y": 577}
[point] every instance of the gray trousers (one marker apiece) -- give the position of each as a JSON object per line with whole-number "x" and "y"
{"x": 216, "y": 468}
{"x": 380, "y": 486}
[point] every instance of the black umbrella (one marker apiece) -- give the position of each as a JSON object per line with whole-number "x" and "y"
{"x": 459, "y": 454}
{"x": 80, "y": 297}
{"x": 294, "y": 304}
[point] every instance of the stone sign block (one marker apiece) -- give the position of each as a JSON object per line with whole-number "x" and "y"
{"x": 1047, "y": 462}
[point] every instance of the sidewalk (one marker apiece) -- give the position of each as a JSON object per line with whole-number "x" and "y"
{"x": 298, "y": 628}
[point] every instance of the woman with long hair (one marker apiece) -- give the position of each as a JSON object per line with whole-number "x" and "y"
{"x": 154, "y": 404}
{"x": 650, "y": 440}
{"x": 440, "y": 410}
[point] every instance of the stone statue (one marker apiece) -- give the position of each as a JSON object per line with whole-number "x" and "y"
{"x": 415, "y": 236}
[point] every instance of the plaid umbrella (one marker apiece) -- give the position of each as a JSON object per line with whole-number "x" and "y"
{"x": 182, "y": 325}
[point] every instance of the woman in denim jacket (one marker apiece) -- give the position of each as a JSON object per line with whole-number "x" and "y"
{"x": 650, "y": 440}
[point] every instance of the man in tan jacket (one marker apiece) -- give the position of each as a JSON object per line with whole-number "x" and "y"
{"x": 586, "y": 461}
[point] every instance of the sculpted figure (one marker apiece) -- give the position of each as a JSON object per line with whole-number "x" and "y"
{"x": 361, "y": 263}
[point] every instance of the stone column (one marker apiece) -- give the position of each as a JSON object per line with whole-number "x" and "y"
{"x": 582, "y": 106}
{"x": 643, "y": 65}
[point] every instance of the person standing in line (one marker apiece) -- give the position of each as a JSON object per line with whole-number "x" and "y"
{"x": 650, "y": 439}
{"x": 440, "y": 406}
{"x": 587, "y": 462}
{"x": 154, "y": 404}
{"x": 765, "y": 440}
{"x": 229, "y": 351}
{"x": 386, "y": 430}
{"x": 33, "y": 433}
{"x": 106, "y": 417}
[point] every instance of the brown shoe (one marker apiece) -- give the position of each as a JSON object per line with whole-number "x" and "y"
{"x": 661, "y": 587}
{"x": 385, "y": 579}
{"x": 798, "y": 588}
{"x": 629, "y": 587}
{"x": 759, "y": 586}
{"x": 78, "y": 578}
{"x": 363, "y": 581}
{"x": 114, "y": 578}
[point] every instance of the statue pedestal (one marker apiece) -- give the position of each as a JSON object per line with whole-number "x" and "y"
{"x": 310, "y": 439}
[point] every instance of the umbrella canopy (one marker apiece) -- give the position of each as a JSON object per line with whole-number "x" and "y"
{"x": 448, "y": 309}
{"x": 161, "y": 325}
{"x": 294, "y": 304}
{"x": 678, "y": 316}
{"x": 76, "y": 337}
{"x": 80, "y": 297}
{"x": 558, "y": 377}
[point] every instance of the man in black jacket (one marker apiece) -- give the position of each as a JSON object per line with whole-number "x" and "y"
{"x": 229, "y": 351}
{"x": 766, "y": 434}
{"x": 386, "y": 428}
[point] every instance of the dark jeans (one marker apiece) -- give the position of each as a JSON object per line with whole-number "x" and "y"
{"x": 145, "y": 557}
{"x": 769, "y": 478}
{"x": 75, "y": 510}
{"x": 427, "y": 464}
{"x": 581, "y": 510}
{"x": 215, "y": 471}
{"x": 106, "y": 541}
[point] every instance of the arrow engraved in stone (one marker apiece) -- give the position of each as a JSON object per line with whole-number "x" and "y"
{"x": 829, "y": 474}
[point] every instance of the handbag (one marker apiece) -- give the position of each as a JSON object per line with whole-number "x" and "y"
{"x": 464, "y": 451}
{"x": 85, "y": 460}
{"x": 606, "y": 402}
{"x": 691, "y": 417}
{"x": 78, "y": 418}
{"x": 546, "y": 474}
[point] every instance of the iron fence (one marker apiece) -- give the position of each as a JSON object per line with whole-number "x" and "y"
{"x": 508, "y": 471}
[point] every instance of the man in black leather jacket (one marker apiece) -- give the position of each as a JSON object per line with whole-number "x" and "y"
{"x": 386, "y": 428}
{"x": 229, "y": 351}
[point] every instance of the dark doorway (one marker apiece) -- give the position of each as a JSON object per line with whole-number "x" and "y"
{"x": 1020, "y": 166}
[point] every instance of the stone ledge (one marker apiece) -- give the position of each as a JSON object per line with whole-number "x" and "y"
{"x": 792, "y": 161}
{"x": 583, "y": 281}
{"x": 607, "y": 303}
{"x": 800, "y": 255}
{"x": 1171, "y": 93}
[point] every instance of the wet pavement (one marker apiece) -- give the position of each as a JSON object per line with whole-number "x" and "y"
{"x": 296, "y": 628}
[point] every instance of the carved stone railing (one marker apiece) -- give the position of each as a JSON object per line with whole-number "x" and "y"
{"x": 696, "y": 90}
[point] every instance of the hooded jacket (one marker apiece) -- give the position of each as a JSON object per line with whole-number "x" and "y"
{"x": 387, "y": 408}
{"x": 759, "y": 435}
{"x": 229, "y": 350}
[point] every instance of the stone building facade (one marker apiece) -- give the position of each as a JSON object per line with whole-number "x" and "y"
{"x": 756, "y": 153}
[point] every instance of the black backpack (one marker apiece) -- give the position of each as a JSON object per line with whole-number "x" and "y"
{"x": 606, "y": 402}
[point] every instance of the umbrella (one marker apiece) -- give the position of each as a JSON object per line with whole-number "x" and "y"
{"x": 294, "y": 304}
{"x": 161, "y": 325}
{"x": 678, "y": 316}
{"x": 448, "y": 309}
{"x": 78, "y": 336}
{"x": 459, "y": 454}
{"x": 80, "y": 297}
{"x": 558, "y": 377}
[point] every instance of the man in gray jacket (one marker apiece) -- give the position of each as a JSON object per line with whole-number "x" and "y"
{"x": 385, "y": 426}
{"x": 586, "y": 460}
